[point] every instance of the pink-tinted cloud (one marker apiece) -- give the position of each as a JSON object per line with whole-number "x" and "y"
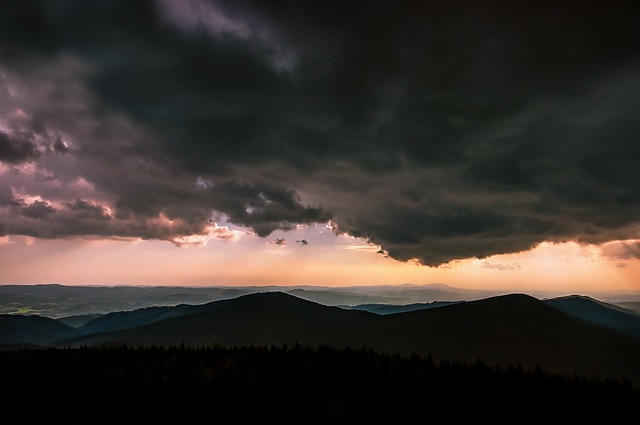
{"x": 622, "y": 250}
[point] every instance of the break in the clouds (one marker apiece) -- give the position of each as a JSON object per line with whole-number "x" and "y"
{"x": 436, "y": 130}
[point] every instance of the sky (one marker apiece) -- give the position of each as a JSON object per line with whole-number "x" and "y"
{"x": 484, "y": 144}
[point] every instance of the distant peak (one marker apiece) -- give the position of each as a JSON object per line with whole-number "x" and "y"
{"x": 439, "y": 285}
{"x": 515, "y": 296}
{"x": 271, "y": 295}
{"x": 573, "y": 296}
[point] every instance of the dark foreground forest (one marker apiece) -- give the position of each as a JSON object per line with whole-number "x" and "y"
{"x": 292, "y": 385}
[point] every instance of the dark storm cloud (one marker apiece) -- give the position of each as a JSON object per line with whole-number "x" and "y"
{"x": 16, "y": 149}
{"x": 264, "y": 209}
{"x": 438, "y": 130}
{"x": 23, "y": 147}
{"x": 37, "y": 210}
{"x": 85, "y": 209}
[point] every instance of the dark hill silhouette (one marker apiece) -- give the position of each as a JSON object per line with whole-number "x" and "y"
{"x": 512, "y": 329}
{"x": 78, "y": 320}
{"x": 610, "y": 315}
{"x": 393, "y": 308}
{"x": 121, "y": 320}
{"x": 605, "y": 314}
{"x": 32, "y": 330}
{"x": 521, "y": 329}
{"x": 630, "y": 306}
{"x": 265, "y": 318}
{"x": 583, "y": 307}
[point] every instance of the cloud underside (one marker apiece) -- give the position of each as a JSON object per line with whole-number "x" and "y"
{"x": 436, "y": 131}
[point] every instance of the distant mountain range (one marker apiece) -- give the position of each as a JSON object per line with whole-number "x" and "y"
{"x": 82, "y": 303}
{"x": 568, "y": 335}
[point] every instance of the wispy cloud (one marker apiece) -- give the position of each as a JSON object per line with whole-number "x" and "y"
{"x": 501, "y": 267}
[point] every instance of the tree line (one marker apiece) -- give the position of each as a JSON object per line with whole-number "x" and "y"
{"x": 290, "y": 384}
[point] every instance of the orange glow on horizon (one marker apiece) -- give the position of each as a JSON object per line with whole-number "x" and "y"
{"x": 334, "y": 261}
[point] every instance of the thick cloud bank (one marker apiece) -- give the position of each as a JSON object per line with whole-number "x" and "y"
{"x": 438, "y": 130}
